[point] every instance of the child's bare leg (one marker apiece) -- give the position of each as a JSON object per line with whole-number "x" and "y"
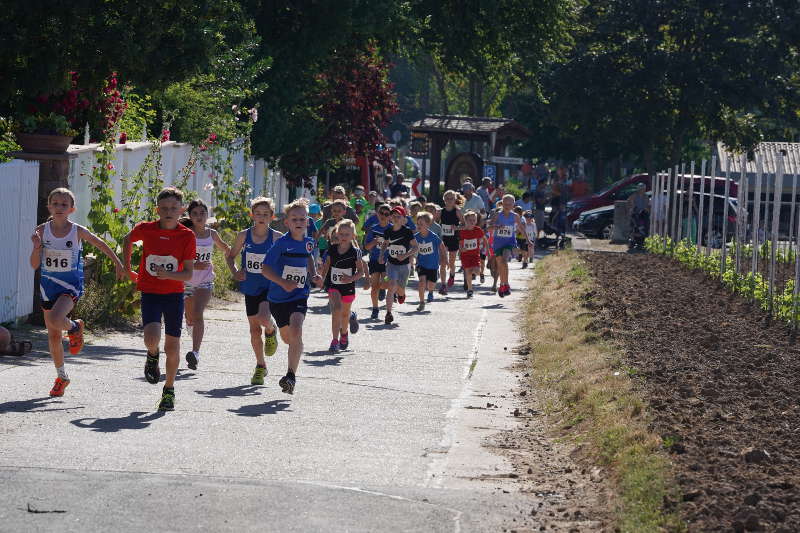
{"x": 335, "y": 303}
{"x": 152, "y": 337}
{"x": 423, "y": 284}
{"x": 57, "y": 322}
{"x": 344, "y": 318}
{"x": 295, "y": 334}
{"x": 256, "y": 340}
{"x": 172, "y": 345}
{"x": 188, "y": 309}
{"x": 200, "y": 302}
{"x": 390, "y": 295}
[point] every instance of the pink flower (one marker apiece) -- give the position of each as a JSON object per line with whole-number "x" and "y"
{"x": 123, "y": 137}
{"x": 254, "y": 115}
{"x": 110, "y": 166}
{"x": 164, "y": 136}
{"x": 203, "y": 148}
{"x": 116, "y": 210}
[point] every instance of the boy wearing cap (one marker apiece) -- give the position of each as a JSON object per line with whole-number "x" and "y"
{"x": 399, "y": 245}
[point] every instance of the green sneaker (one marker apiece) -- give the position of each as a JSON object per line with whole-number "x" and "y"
{"x": 167, "y": 402}
{"x": 258, "y": 376}
{"x": 271, "y": 342}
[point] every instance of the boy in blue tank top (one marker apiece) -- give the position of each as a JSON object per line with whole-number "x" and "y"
{"x": 252, "y": 246}
{"x": 58, "y": 251}
{"x": 505, "y": 225}
{"x": 290, "y": 267}
{"x": 431, "y": 250}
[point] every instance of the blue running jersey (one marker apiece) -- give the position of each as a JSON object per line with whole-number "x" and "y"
{"x": 288, "y": 258}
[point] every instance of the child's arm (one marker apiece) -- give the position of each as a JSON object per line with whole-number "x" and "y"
{"x": 219, "y": 243}
{"x": 97, "y": 242}
{"x": 361, "y": 271}
{"x": 414, "y": 249}
{"x": 325, "y": 266}
{"x": 36, "y": 253}
{"x": 270, "y": 274}
{"x": 233, "y": 251}
{"x": 127, "y": 249}
{"x": 183, "y": 275}
{"x": 312, "y": 267}
{"x": 382, "y": 255}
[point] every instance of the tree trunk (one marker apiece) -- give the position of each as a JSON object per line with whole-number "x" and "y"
{"x": 440, "y": 85}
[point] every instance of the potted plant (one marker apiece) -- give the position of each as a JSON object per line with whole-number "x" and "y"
{"x": 51, "y": 120}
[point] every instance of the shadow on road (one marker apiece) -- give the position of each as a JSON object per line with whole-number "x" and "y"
{"x": 493, "y": 306}
{"x": 34, "y": 405}
{"x": 90, "y": 354}
{"x": 332, "y": 361}
{"x": 135, "y": 420}
{"x": 382, "y": 326}
{"x": 180, "y": 376}
{"x": 269, "y": 408}
{"x": 231, "y": 392}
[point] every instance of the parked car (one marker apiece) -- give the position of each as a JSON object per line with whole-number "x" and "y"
{"x": 622, "y": 189}
{"x": 597, "y": 223}
{"x": 619, "y": 190}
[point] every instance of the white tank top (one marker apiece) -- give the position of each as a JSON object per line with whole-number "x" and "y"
{"x": 61, "y": 254}
{"x": 203, "y": 251}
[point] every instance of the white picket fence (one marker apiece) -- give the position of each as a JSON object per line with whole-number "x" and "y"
{"x": 19, "y": 181}
{"x": 130, "y": 157}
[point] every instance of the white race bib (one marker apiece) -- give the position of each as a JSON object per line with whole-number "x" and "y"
{"x": 379, "y": 241}
{"x": 396, "y": 250}
{"x": 152, "y": 262}
{"x": 253, "y": 262}
{"x": 425, "y": 248}
{"x": 295, "y": 274}
{"x": 470, "y": 244}
{"x": 203, "y": 253}
{"x": 448, "y": 230}
{"x": 57, "y": 260}
{"x": 531, "y": 231}
{"x": 337, "y": 274}
{"x": 504, "y": 231}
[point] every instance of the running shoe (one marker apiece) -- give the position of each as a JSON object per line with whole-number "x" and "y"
{"x": 483, "y": 278}
{"x": 344, "y": 342}
{"x": 374, "y": 315}
{"x": 401, "y": 299}
{"x": 524, "y": 264}
{"x": 508, "y": 290}
{"x": 443, "y": 290}
{"x": 421, "y": 306}
{"x": 151, "y": 371}
{"x": 76, "y": 338}
{"x": 335, "y": 346}
{"x": 258, "y": 376}
{"x": 501, "y": 291}
{"x": 469, "y": 294}
{"x": 381, "y": 295}
{"x": 287, "y": 383}
{"x": 167, "y": 402}
{"x": 191, "y": 360}
{"x": 353, "y": 322}
{"x": 430, "y": 296}
{"x": 271, "y": 341}
{"x": 389, "y": 318}
{"x": 451, "y": 280}
{"x": 58, "y": 387}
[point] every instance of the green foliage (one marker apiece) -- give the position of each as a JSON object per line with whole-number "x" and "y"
{"x": 8, "y": 143}
{"x": 140, "y": 112}
{"x": 515, "y": 187}
{"x": 50, "y": 123}
{"x": 231, "y": 194}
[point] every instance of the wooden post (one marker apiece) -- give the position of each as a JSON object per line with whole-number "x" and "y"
{"x": 700, "y": 218}
{"x": 776, "y": 213}
{"x": 712, "y": 189}
{"x": 756, "y": 224}
{"x": 724, "y": 254}
{"x": 681, "y": 199}
{"x": 690, "y": 204}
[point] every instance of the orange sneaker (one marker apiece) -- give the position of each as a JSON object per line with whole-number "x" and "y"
{"x": 76, "y": 339}
{"x": 58, "y": 387}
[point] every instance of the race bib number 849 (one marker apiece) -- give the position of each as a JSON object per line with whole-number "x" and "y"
{"x": 169, "y": 263}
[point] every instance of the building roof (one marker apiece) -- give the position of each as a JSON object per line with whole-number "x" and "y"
{"x": 463, "y": 125}
{"x": 768, "y": 153}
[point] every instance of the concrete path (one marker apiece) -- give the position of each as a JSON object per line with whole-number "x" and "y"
{"x": 386, "y": 436}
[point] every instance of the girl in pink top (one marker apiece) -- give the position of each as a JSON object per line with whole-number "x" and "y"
{"x": 197, "y": 292}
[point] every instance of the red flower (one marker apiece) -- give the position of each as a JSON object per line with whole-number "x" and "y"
{"x": 164, "y": 136}
{"x": 110, "y": 166}
{"x": 116, "y": 210}
{"x": 123, "y": 137}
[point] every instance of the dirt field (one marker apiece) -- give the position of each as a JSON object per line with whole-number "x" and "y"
{"x": 723, "y": 390}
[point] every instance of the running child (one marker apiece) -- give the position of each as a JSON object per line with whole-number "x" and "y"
{"x": 289, "y": 266}
{"x": 532, "y": 231}
{"x": 451, "y": 218}
{"x": 431, "y": 249}
{"x": 252, "y": 246}
{"x": 197, "y": 291}
{"x": 57, "y": 250}
{"x": 522, "y": 239}
{"x": 469, "y": 240}
{"x": 433, "y": 210}
{"x": 377, "y": 270}
{"x": 341, "y": 270}
{"x": 399, "y": 244}
{"x": 168, "y": 254}
{"x": 503, "y": 226}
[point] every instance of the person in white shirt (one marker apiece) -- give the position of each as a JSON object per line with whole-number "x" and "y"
{"x": 474, "y": 202}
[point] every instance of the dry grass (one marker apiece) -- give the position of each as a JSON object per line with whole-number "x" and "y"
{"x": 588, "y": 395}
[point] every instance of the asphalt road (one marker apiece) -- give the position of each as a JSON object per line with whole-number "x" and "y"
{"x": 387, "y": 436}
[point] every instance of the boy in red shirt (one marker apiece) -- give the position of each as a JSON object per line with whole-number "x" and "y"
{"x": 469, "y": 247}
{"x": 168, "y": 253}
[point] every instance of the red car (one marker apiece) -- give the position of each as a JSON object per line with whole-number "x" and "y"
{"x": 622, "y": 189}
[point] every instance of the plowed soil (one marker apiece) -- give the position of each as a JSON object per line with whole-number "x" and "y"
{"x": 723, "y": 389}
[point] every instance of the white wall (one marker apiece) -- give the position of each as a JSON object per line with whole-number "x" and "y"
{"x": 19, "y": 181}
{"x": 174, "y": 156}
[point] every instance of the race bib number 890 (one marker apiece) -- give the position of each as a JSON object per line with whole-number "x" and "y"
{"x": 295, "y": 274}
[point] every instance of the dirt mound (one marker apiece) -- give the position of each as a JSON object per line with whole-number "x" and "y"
{"x": 724, "y": 391}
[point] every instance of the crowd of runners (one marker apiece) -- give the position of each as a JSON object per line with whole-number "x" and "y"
{"x": 375, "y": 240}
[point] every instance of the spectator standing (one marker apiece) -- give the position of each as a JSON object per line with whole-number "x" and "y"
{"x": 485, "y": 191}
{"x": 398, "y": 188}
{"x": 338, "y": 193}
{"x": 474, "y": 202}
